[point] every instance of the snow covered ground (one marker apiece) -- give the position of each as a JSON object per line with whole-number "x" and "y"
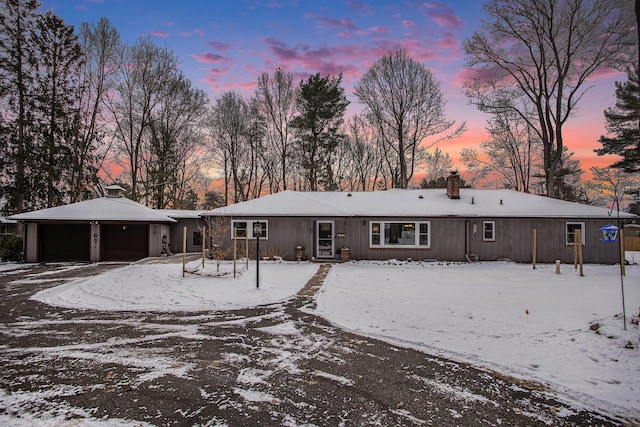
{"x": 507, "y": 317}
{"x": 502, "y": 316}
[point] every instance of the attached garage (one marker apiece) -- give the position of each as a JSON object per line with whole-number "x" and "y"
{"x": 111, "y": 228}
{"x": 125, "y": 242}
{"x": 64, "y": 242}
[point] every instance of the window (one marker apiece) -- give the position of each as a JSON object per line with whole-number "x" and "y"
{"x": 245, "y": 228}
{"x": 571, "y": 232}
{"x": 197, "y": 238}
{"x": 489, "y": 231}
{"x": 394, "y": 234}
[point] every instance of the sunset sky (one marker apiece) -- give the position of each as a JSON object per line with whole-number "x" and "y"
{"x": 224, "y": 46}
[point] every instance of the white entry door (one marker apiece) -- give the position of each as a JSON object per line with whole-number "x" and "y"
{"x": 324, "y": 239}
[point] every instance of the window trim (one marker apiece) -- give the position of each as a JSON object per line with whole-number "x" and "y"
{"x": 250, "y": 224}
{"x": 567, "y": 234}
{"x": 493, "y": 231}
{"x": 417, "y": 234}
{"x": 199, "y": 241}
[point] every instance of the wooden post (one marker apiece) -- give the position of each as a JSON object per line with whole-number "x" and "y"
{"x": 579, "y": 238}
{"x": 246, "y": 251}
{"x": 203, "y": 240}
{"x": 575, "y": 251}
{"x": 622, "y": 250}
{"x": 235, "y": 247}
{"x": 534, "y": 248}
{"x": 184, "y": 250}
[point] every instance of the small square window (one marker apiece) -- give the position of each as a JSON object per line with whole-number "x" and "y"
{"x": 571, "y": 232}
{"x": 244, "y": 229}
{"x": 197, "y": 238}
{"x": 489, "y": 231}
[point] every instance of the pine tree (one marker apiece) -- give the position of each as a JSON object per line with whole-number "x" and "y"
{"x": 321, "y": 104}
{"x": 57, "y": 87}
{"x": 623, "y": 121}
{"x": 17, "y": 69}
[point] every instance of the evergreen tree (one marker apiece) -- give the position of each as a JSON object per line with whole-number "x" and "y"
{"x": 59, "y": 58}
{"x": 17, "y": 65}
{"x": 321, "y": 104}
{"x": 623, "y": 121}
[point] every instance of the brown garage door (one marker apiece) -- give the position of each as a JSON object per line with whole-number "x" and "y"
{"x": 125, "y": 242}
{"x": 64, "y": 242}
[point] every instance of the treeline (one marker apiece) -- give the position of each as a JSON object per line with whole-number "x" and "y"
{"x": 81, "y": 108}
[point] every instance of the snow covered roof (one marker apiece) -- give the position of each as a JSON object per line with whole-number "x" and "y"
{"x": 180, "y": 213}
{"x": 4, "y": 220}
{"x": 413, "y": 203}
{"x": 102, "y": 209}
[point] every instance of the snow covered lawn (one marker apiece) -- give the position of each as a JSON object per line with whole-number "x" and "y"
{"x": 161, "y": 287}
{"x": 533, "y": 324}
{"x": 503, "y": 316}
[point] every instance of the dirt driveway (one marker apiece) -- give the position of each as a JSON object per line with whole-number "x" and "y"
{"x": 274, "y": 365}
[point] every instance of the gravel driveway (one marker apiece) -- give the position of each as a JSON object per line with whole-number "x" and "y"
{"x": 277, "y": 365}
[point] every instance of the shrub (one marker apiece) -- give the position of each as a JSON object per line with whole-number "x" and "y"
{"x": 10, "y": 247}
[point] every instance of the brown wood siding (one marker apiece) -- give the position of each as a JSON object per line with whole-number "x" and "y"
{"x": 177, "y": 230}
{"x": 124, "y": 242}
{"x": 64, "y": 242}
{"x": 450, "y": 237}
{"x": 514, "y": 240}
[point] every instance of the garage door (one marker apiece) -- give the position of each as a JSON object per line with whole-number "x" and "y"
{"x": 127, "y": 242}
{"x": 64, "y": 242}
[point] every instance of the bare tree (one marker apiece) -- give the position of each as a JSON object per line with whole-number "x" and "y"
{"x": 406, "y": 103}
{"x": 101, "y": 48}
{"x": 140, "y": 86}
{"x": 607, "y": 183}
{"x": 546, "y": 49}
{"x": 511, "y": 153}
{"x": 172, "y": 141}
{"x": 362, "y": 161}
{"x": 276, "y": 101}
{"x": 234, "y": 145}
{"x": 437, "y": 164}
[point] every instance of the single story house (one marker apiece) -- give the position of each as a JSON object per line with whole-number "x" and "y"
{"x": 111, "y": 228}
{"x": 435, "y": 224}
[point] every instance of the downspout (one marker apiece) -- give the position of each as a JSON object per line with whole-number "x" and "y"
{"x": 466, "y": 240}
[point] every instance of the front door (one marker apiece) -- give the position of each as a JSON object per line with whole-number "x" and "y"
{"x": 324, "y": 242}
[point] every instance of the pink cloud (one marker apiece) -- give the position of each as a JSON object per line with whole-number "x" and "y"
{"x": 379, "y": 30}
{"x": 215, "y": 74}
{"x": 219, "y": 46}
{"x": 185, "y": 34}
{"x": 449, "y": 41}
{"x": 248, "y": 86}
{"x": 407, "y": 23}
{"x": 198, "y": 31}
{"x": 605, "y": 73}
{"x": 360, "y": 8}
{"x": 211, "y": 58}
{"x": 484, "y": 75}
{"x": 162, "y": 34}
{"x": 168, "y": 23}
{"x": 442, "y": 14}
{"x": 275, "y": 5}
{"x": 325, "y": 59}
{"x": 323, "y": 22}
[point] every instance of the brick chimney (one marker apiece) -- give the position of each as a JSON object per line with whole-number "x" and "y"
{"x": 453, "y": 185}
